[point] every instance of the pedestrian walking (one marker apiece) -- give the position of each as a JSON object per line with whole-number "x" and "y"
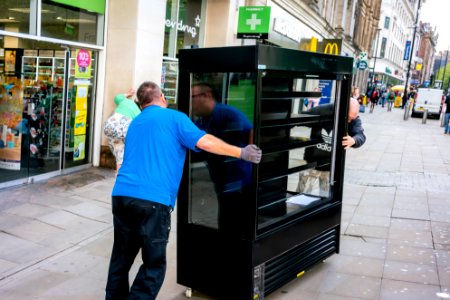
{"x": 447, "y": 114}
{"x": 390, "y": 99}
{"x": 146, "y": 188}
{"x": 384, "y": 97}
{"x": 374, "y": 98}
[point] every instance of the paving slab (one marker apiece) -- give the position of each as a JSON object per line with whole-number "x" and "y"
{"x": 347, "y": 285}
{"x": 411, "y": 272}
{"x": 401, "y": 290}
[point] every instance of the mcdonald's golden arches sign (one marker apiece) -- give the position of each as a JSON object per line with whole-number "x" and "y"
{"x": 327, "y": 46}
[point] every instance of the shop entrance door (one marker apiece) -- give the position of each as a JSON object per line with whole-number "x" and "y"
{"x": 79, "y": 104}
{"x": 46, "y": 100}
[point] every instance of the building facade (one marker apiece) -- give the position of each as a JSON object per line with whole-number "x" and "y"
{"x": 427, "y": 49}
{"x": 364, "y": 37}
{"x": 395, "y": 35}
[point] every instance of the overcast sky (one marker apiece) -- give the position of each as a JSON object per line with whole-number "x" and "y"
{"x": 437, "y": 13}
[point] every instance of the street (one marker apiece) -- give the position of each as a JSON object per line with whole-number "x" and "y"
{"x": 56, "y": 236}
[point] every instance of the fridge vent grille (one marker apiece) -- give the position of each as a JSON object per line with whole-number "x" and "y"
{"x": 287, "y": 266}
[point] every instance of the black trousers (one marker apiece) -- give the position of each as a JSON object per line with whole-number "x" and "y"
{"x": 138, "y": 224}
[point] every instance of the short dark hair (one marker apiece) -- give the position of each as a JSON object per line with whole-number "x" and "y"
{"x": 147, "y": 92}
{"x": 207, "y": 88}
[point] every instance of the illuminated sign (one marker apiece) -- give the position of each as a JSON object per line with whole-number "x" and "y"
{"x": 327, "y": 46}
{"x": 253, "y": 22}
{"x": 331, "y": 48}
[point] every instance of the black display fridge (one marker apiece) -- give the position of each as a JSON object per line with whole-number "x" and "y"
{"x": 244, "y": 230}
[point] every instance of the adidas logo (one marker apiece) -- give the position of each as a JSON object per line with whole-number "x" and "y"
{"x": 327, "y": 137}
{"x": 324, "y": 147}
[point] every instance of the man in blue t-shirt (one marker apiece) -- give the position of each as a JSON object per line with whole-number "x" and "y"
{"x": 146, "y": 188}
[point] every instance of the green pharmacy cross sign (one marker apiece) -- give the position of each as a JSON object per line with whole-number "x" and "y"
{"x": 254, "y": 22}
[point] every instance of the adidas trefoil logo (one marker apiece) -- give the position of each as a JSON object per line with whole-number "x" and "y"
{"x": 327, "y": 138}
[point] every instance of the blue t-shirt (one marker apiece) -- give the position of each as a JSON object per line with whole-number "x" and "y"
{"x": 155, "y": 151}
{"x": 232, "y": 126}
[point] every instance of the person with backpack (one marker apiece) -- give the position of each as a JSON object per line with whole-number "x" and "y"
{"x": 374, "y": 98}
{"x": 390, "y": 99}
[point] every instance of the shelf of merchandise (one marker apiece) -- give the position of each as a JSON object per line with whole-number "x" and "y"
{"x": 29, "y": 68}
{"x": 45, "y": 69}
{"x": 169, "y": 81}
{"x": 2, "y": 65}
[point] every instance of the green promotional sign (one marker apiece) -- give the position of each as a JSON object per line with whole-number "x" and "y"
{"x": 97, "y": 6}
{"x": 253, "y": 22}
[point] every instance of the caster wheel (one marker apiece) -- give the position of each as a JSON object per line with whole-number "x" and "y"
{"x": 188, "y": 293}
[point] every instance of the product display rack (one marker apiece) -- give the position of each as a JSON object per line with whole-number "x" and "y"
{"x": 169, "y": 80}
{"x": 245, "y": 230}
{"x": 43, "y": 79}
{"x": 43, "y": 69}
{"x": 2, "y": 63}
{"x": 29, "y": 69}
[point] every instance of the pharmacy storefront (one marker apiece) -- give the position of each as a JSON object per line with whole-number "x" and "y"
{"x": 49, "y": 53}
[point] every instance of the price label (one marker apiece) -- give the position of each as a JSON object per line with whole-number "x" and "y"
{"x": 83, "y": 58}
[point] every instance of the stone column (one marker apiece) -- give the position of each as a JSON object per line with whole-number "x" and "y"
{"x": 134, "y": 49}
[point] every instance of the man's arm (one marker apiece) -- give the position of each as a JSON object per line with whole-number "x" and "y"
{"x": 356, "y": 131}
{"x": 214, "y": 145}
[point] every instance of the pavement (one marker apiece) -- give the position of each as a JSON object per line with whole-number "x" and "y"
{"x": 56, "y": 235}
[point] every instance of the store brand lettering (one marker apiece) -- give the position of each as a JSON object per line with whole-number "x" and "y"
{"x": 181, "y": 27}
{"x": 324, "y": 147}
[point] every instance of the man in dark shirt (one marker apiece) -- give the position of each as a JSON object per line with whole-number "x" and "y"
{"x": 317, "y": 181}
{"x": 355, "y": 137}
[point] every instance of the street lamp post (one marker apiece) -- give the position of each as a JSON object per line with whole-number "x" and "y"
{"x": 405, "y": 92}
{"x": 375, "y": 56}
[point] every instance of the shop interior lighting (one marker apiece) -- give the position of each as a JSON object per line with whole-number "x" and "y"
{"x": 26, "y": 10}
{"x": 80, "y": 21}
{"x": 8, "y": 20}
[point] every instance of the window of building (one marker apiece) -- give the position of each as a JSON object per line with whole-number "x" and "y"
{"x": 73, "y": 22}
{"x": 69, "y": 20}
{"x": 15, "y": 16}
{"x": 387, "y": 22}
{"x": 182, "y": 25}
{"x": 383, "y": 47}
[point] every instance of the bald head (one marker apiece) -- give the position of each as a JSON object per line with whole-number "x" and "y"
{"x": 353, "y": 109}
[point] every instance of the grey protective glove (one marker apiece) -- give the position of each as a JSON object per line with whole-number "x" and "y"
{"x": 251, "y": 153}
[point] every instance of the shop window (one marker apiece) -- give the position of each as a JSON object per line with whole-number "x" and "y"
{"x": 15, "y": 16}
{"x": 72, "y": 23}
{"x": 182, "y": 25}
{"x": 383, "y": 47}
{"x": 387, "y": 22}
